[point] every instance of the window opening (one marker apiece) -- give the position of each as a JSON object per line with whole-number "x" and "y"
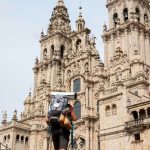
{"x": 135, "y": 115}
{"x": 62, "y": 48}
{"x": 107, "y": 109}
{"x": 77, "y": 85}
{"x": 137, "y": 137}
{"x": 125, "y": 14}
{"x": 77, "y": 109}
{"x": 115, "y": 18}
{"x": 142, "y": 114}
{"x": 138, "y": 13}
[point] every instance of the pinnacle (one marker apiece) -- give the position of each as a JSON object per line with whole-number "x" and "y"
{"x": 60, "y": 3}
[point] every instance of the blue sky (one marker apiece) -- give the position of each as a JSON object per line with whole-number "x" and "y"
{"x": 21, "y": 22}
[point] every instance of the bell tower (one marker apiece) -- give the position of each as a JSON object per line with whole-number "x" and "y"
{"x": 49, "y": 69}
{"x": 128, "y": 29}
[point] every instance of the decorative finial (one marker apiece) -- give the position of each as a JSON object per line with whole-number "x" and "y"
{"x": 104, "y": 27}
{"x": 30, "y": 91}
{"x": 80, "y": 8}
{"x": 4, "y": 121}
{"x": 36, "y": 61}
{"x": 15, "y": 115}
{"x": 60, "y": 3}
{"x": 42, "y": 34}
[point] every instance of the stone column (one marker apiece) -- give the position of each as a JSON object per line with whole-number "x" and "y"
{"x": 45, "y": 142}
{"x": 137, "y": 46}
{"x": 87, "y": 95}
{"x": 53, "y": 73}
{"x": 106, "y": 52}
{"x": 35, "y": 81}
{"x": 131, "y": 43}
{"x": 109, "y": 51}
{"x": 125, "y": 42}
{"x": 87, "y": 136}
{"x": 142, "y": 45}
{"x": 48, "y": 76}
{"x": 33, "y": 140}
{"x": 147, "y": 48}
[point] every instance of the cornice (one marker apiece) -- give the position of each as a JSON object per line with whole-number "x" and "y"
{"x": 130, "y": 26}
{"x": 111, "y": 3}
{"x": 75, "y": 33}
{"x": 46, "y": 37}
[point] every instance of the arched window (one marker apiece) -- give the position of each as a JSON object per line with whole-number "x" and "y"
{"x": 115, "y": 18}
{"x": 107, "y": 111}
{"x": 76, "y": 85}
{"x": 138, "y": 13}
{"x": 82, "y": 143}
{"x": 148, "y": 111}
{"x": 62, "y": 48}
{"x": 78, "y": 44}
{"x": 8, "y": 136}
{"x": 17, "y": 137}
{"x": 26, "y": 140}
{"x": 77, "y": 109}
{"x": 52, "y": 49}
{"x": 142, "y": 114}
{"x": 45, "y": 50}
{"x": 125, "y": 14}
{"x": 114, "y": 109}
{"x": 22, "y": 139}
{"x": 145, "y": 17}
{"x": 135, "y": 115}
{"x": 4, "y": 139}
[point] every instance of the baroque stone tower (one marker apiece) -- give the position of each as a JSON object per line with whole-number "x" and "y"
{"x": 113, "y": 105}
{"x": 124, "y": 104}
{"x": 128, "y": 29}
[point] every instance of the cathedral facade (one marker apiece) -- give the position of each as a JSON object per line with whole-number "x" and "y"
{"x": 113, "y": 99}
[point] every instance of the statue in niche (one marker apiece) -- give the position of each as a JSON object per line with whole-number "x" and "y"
{"x": 118, "y": 74}
{"x": 45, "y": 54}
{"x": 68, "y": 74}
{"x": 86, "y": 67}
{"x": 79, "y": 46}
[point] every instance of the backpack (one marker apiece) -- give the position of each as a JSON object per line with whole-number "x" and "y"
{"x": 57, "y": 107}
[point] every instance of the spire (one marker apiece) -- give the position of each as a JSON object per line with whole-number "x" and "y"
{"x": 80, "y": 23}
{"x": 59, "y": 21}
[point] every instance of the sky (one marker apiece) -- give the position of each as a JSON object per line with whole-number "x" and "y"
{"x": 21, "y": 22}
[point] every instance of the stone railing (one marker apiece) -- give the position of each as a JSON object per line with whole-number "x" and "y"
{"x": 137, "y": 123}
{"x": 4, "y": 147}
{"x": 134, "y": 123}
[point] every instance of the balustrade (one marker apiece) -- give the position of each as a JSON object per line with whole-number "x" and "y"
{"x": 137, "y": 123}
{"x": 4, "y": 147}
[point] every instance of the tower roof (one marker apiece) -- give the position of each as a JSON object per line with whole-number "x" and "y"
{"x": 59, "y": 21}
{"x": 80, "y": 22}
{"x": 80, "y": 17}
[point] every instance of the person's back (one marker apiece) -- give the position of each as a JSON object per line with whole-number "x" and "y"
{"x": 60, "y": 133}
